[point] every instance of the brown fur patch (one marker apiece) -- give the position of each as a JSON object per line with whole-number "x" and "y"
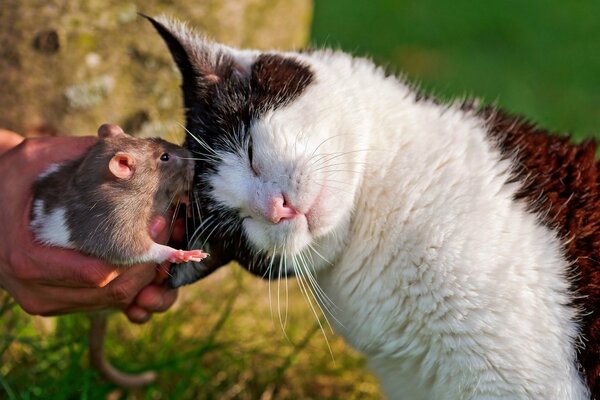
{"x": 560, "y": 182}
{"x": 276, "y": 81}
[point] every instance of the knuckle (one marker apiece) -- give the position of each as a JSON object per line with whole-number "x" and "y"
{"x": 28, "y": 146}
{"x": 89, "y": 276}
{"x": 121, "y": 294}
{"x": 20, "y": 269}
{"x": 32, "y": 306}
{"x": 170, "y": 299}
{"x": 93, "y": 275}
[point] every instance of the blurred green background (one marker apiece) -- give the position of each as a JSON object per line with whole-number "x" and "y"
{"x": 539, "y": 58}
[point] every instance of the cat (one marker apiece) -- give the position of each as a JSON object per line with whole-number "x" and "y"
{"x": 453, "y": 244}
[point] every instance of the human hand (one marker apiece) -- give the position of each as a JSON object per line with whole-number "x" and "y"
{"x": 47, "y": 280}
{"x": 8, "y": 140}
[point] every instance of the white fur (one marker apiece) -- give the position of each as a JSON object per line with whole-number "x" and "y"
{"x": 157, "y": 253}
{"x": 451, "y": 288}
{"x": 51, "y": 228}
{"x": 52, "y": 168}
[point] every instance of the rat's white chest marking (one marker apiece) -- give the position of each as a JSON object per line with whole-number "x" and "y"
{"x": 50, "y": 228}
{"x": 52, "y": 168}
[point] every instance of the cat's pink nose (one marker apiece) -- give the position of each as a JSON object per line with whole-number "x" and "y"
{"x": 280, "y": 210}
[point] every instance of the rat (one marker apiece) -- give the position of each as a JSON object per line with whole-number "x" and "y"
{"x": 102, "y": 204}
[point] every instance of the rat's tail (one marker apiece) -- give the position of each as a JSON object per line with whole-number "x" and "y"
{"x": 122, "y": 379}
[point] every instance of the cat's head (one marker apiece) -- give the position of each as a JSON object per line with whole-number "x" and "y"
{"x": 275, "y": 172}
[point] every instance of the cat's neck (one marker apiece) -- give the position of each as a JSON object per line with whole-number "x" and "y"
{"x": 434, "y": 227}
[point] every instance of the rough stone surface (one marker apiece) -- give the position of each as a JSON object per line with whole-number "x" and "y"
{"x": 68, "y": 66}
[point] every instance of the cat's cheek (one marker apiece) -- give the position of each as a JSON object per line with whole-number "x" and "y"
{"x": 328, "y": 212}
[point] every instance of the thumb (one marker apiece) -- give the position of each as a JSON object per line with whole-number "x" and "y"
{"x": 157, "y": 229}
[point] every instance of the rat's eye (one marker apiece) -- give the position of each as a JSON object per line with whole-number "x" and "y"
{"x": 165, "y": 157}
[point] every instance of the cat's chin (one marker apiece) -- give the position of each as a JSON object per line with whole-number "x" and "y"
{"x": 287, "y": 237}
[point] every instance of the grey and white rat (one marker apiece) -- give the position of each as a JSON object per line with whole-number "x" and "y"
{"x": 102, "y": 203}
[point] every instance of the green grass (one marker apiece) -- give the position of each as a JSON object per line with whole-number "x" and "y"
{"x": 223, "y": 340}
{"x": 539, "y": 58}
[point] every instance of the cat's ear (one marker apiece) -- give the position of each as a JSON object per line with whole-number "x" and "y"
{"x": 203, "y": 64}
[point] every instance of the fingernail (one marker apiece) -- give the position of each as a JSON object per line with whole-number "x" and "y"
{"x": 138, "y": 315}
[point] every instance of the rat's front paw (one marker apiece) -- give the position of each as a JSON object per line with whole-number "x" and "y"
{"x": 181, "y": 256}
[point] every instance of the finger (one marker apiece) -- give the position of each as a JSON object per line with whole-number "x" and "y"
{"x": 137, "y": 315}
{"x": 8, "y": 140}
{"x": 162, "y": 273}
{"x": 66, "y": 268}
{"x": 53, "y": 300}
{"x": 61, "y": 267}
{"x": 48, "y": 300}
{"x": 45, "y": 151}
{"x": 126, "y": 287}
{"x": 157, "y": 226}
{"x": 154, "y": 298}
{"x": 158, "y": 229}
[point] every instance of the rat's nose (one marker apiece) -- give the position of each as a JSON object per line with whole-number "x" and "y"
{"x": 279, "y": 209}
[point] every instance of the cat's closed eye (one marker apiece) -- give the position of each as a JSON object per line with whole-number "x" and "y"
{"x": 251, "y": 157}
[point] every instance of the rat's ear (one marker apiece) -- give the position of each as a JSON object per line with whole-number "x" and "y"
{"x": 122, "y": 165}
{"x": 110, "y": 130}
{"x": 203, "y": 64}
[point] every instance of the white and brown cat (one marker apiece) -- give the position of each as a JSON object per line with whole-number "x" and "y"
{"x": 458, "y": 244}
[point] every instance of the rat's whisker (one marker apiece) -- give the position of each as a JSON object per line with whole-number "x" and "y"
{"x": 199, "y": 141}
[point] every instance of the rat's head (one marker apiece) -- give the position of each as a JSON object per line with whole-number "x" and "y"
{"x": 275, "y": 173}
{"x": 145, "y": 166}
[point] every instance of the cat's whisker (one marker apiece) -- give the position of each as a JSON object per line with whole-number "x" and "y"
{"x": 312, "y": 248}
{"x": 322, "y": 300}
{"x": 279, "y": 293}
{"x": 170, "y": 202}
{"x": 333, "y": 155}
{"x": 323, "y": 142}
{"x": 344, "y": 183}
{"x": 303, "y": 285}
{"x": 339, "y": 164}
{"x": 316, "y": 289}
{"x": 174, "y": 217}
{"x": 219, "y": 225}
{"x": 285, "y": 269}
{"x": 193, "y": 214}
{"x": 196, "y": 204}
{"x": 200, "y": 229}
{"x": 206, "y": 225}
{"x": 333, "y": 171}
{"x": 333, "y": 187}
{"x": 269, "y": 274}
